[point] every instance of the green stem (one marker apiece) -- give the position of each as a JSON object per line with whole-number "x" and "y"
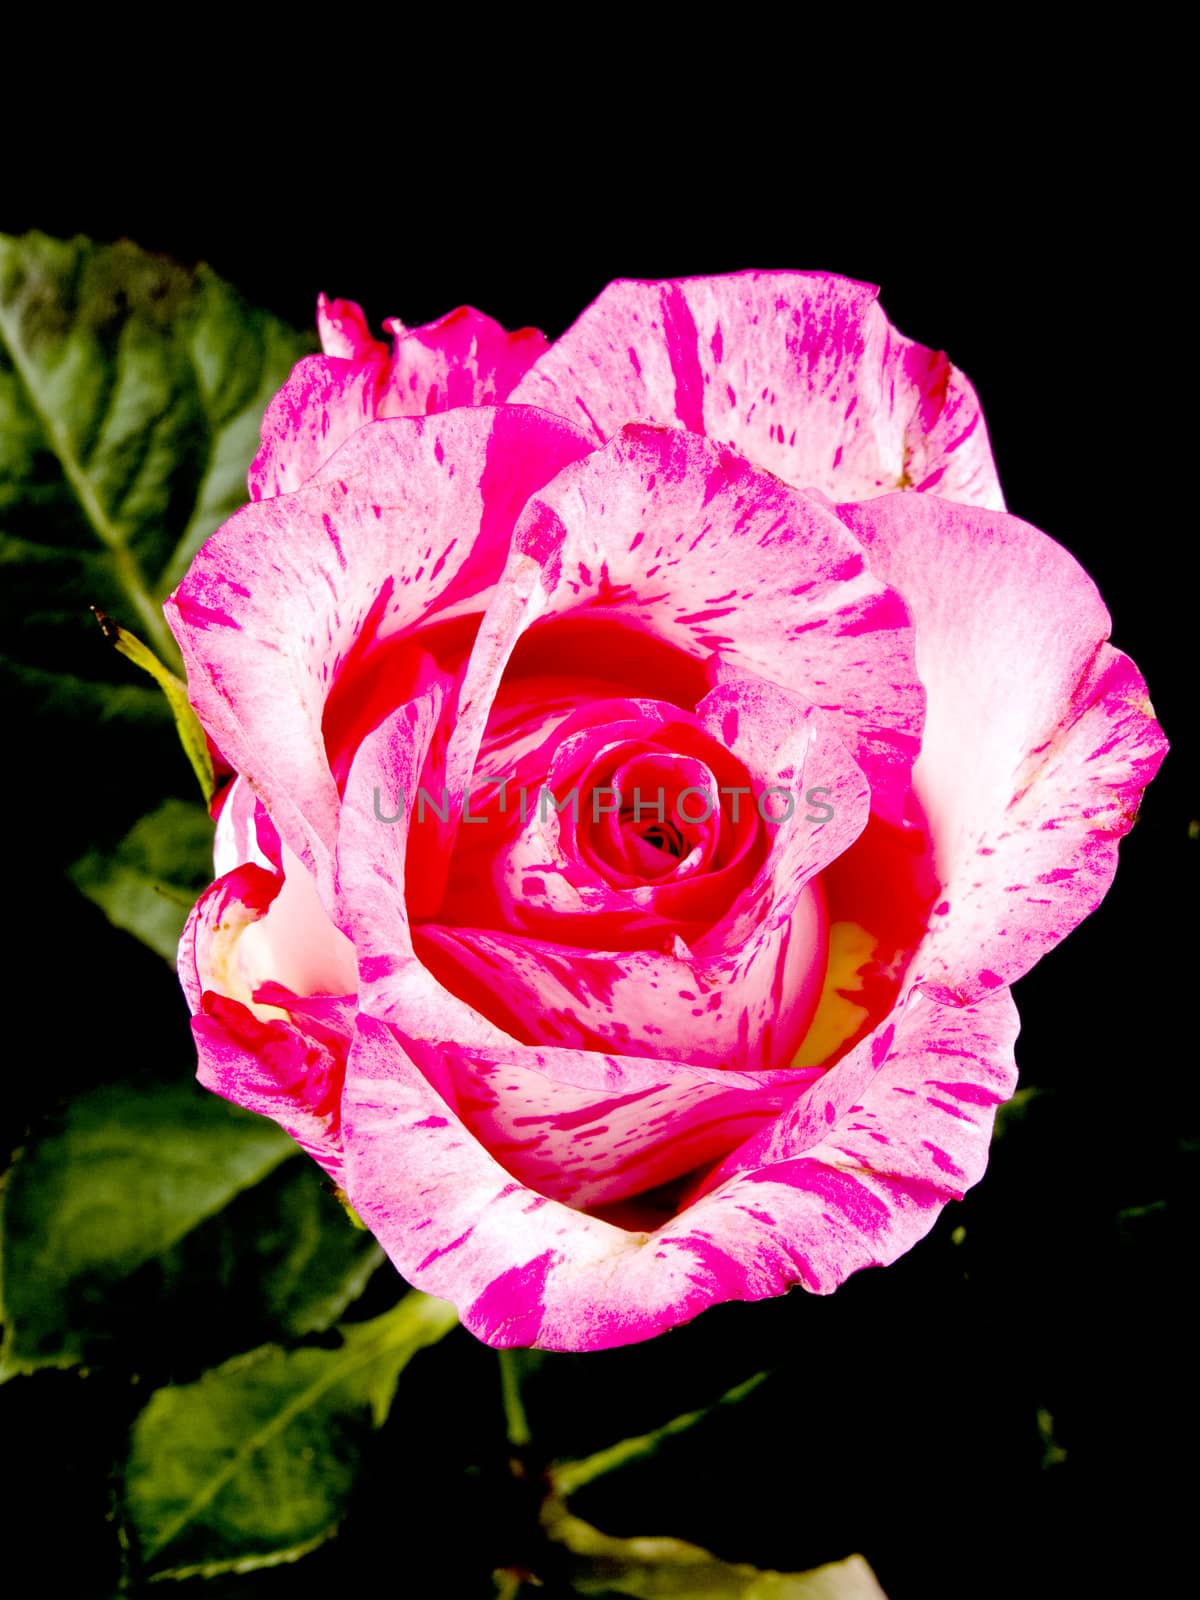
{"x": 515, "y": 1421}
{"x": 567, "y": 1476}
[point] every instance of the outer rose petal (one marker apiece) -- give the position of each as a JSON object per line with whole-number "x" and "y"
{"x": 800, "y": 370}
{"x": 215, "y": 924}
{"x": 277, "y": 1070}
{"x": 463, "y": 359}
{"x": 277, "y": 1054}
{"x": 260, "y": 926}
{"x": 1039, "y": 737}
{"x": 410, "y": 514}
{"x": 344, "y": 332}
{"x": 914, "y": 1101}
{"x": 526, "y": 1270}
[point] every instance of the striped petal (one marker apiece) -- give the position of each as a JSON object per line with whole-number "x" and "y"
{"x": 290, "y": 1070}
{"x": 686, "y": 541}
{"x": 524, "y": 1269}
{"x": 1039, "y": 736}
{"x": 801, "y": 371}
{"x": 269, "y": 1047}
{"x": 410, "y": 516}
{"x": 588, "y": 1128}
{"x": 463, "y": 359}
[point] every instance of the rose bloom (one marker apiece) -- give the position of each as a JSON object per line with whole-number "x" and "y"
{"x": 656, "y": 754}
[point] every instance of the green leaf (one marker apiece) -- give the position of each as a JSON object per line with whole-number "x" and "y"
{"x": 653, "y": 1568}
{"x": 131, "y": 393}
{"x": 150, "y": 882}
{"x": 311, "y": 1261}
{"x": 119, "y": 1178}
{"x": 284, "y": 1253}
{"x": 254, "y": 1464}
{"x": 131, "y": 390}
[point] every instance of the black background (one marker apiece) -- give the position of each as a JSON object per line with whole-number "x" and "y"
{"x": 904, "y": 1419}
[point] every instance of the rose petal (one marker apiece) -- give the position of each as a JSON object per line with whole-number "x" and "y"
{"x": 799, "y": 370}
{"x": 914, "y": 1101}
{"x": 269, "y": 1049}
{"x": 743, "y": 1010}
{"x": 1038, "y": 742}
{"x": 371, "y": 875}
{"x": 582, "y": 1127}
{"x": 462, "y": 359}
{"x": 279, "y": 1070}
{"x": 214, "y": 927}
{"x": 410, "y": 514}
{"x": 243, "y": 832}
{"x": 526, "y": 1270}
{"x": 343, "y": 331}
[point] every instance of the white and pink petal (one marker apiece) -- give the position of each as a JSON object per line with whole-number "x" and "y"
{"x": 801, "y": 371}
{"x": 1039, "y": 736}
{"x": 278, "y": 1068}
{"x": 586, "y": 1127}
{"x": 410, "y": 515}
{"x": 259, "y": 1043}
{"x": 462, "y": 359}
{"x": 524, "y": 1269}
{"x": 688, "y": 541}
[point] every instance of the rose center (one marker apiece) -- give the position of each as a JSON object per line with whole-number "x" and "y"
{"x": 663, "y": 836}
{"x": 626, "y": 812}
{"x": 651, "y": 813}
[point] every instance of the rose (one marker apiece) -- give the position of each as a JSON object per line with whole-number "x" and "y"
{"x": 585, "y": 1075}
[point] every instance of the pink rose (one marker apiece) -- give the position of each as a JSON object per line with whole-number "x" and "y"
{"x": 631, "y": 848}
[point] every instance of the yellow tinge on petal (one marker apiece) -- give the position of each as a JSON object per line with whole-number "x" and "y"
{"x": 851, "y": 948}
